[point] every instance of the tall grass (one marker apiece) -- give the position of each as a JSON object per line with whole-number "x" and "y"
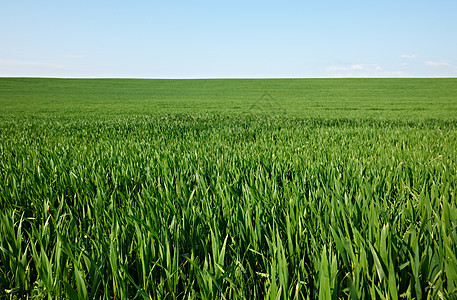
{"x": 209, "y": 206}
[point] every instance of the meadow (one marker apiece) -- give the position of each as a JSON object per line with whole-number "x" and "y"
{"x": 228, "y": 189}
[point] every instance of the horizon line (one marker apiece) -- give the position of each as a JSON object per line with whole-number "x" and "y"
{"x": 222, "y": 78}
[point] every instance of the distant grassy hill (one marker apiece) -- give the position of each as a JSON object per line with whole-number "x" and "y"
{"x": 330, "y": 98}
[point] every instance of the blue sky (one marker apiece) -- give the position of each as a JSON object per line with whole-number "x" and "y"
{"x": 228, "y": 39}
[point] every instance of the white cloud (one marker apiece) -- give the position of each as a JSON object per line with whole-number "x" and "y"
{"x": 335, "y": 69}
{"x": 438, "y": 64}
{"x": 358, "y": 67}
{"x": 355, "y": 67}
{"x": 409, "y": 56}
{"x": 363, "y": 70}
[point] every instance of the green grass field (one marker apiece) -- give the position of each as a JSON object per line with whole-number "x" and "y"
{"x": 304, "y": 98}
{"x": 202, "y": 189}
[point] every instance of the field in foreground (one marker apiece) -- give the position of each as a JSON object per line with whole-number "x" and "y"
{"x": 154, "y": 193}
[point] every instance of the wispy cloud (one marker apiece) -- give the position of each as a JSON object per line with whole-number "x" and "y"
{"x": 409, "y": 56}
{"x": 358, "y": 67}
{"x": 439, "y": 64}
{"x": 363, "y": 70}
{"x": 355, "y": 67}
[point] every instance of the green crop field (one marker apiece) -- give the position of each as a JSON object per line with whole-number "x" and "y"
{"x": 228, "y": 189}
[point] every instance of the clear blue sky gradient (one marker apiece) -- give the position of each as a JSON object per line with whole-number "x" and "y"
{"x": 228, "y": 39}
